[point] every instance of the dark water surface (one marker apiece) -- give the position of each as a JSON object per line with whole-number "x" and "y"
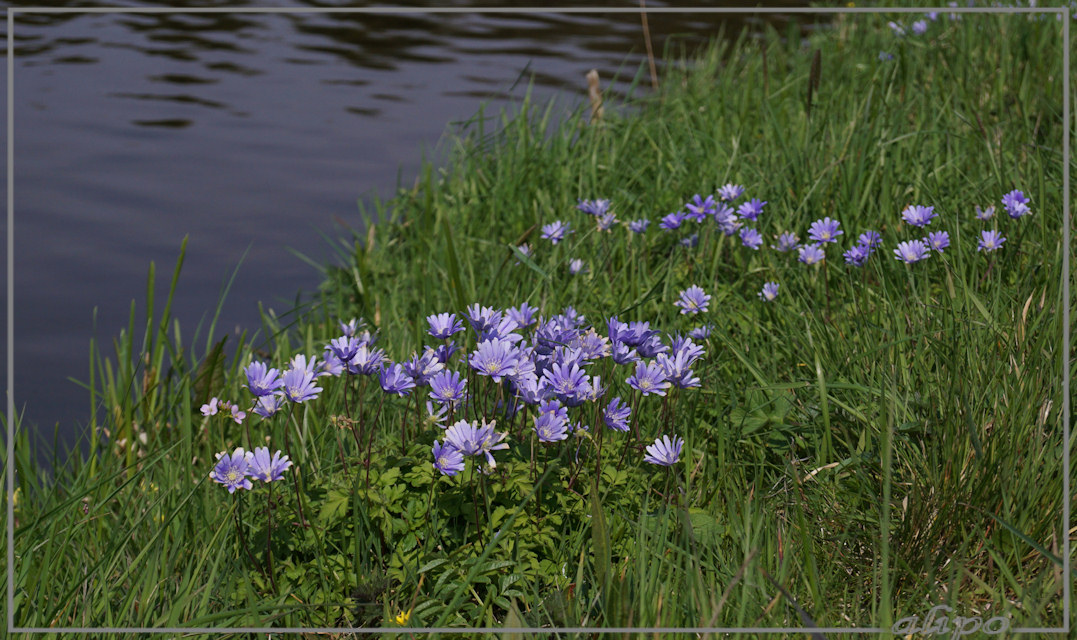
{"x": 237, "y": 130}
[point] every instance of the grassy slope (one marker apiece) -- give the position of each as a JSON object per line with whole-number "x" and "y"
{"x": 924, "y": 401}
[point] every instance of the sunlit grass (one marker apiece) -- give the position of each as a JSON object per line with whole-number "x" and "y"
{"x": 872, "y": 442}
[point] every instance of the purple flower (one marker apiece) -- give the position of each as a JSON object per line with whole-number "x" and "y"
{"x": 616, "y": 330}
{"x": 210, "y": 409}
{"x": 350, "y": 328}
{"x": 651, "y": 347}
{"x": 447, "y": 458}
{"x": 422, "y": 368}
{"x": 884, "y": 56}
{"x": 443, "y": 325}
{"x": 447, "y": 387}
{"x": 491, "y": 441}
{"x": 555, "y": 231}
{"x": 750, "y": 210}
{"x": 465, "y": 437}
{"x": 677, "y": 369}
{"x": 691, "y": 241}
{"x": 624, "y": 354}
{"x": 531, "y": 390}
{"x": 896, "y": 28}
{"x": 912, "y": 251}
{"x": 551, "y": 424}
{"x": 664, "y": 451}
{"x": 367, "y": 340}
{"x": 919, "y": 27}
{"x": 395, "y": 380}
{"x": 331, "y": 365}
{"x": 343, "y": 348}
{"x": 495, "y": 358}
{"x": 700, "y": 333}
{"x": 446, "y": 351}
{"x": 523, "y": 315}
{"x": 725, "y": 215}
{"x": 617, "y": 414}
{"x": 472, "y": 440}
{"x": 870, "y": 239}
{"x": 550, "y": 335}
{"x": 825, "y": 230}
{"x": 591, "y": 345}
{"x": 857, "y": 256}
{"x": 693, "y": 300}
{"x": 648, "y": 379}
{"x": 553, "y": 406}
{"x": 299, "y": 385}
{"x": 502, "y": 328}
{"x": 567, "y": 381}
{"x": 524, "y": 249}
{"x": 699, "y": 209}
{"x": 751, "y": 238}
{"x": 990, "y": 241}
{"x": 482, "y": 319}
{"x": 366, "y": 361}
{"x": 1016, "y": 204}
{"x": 985, "y": 214}
{"x": 268, "y": 406}
{"x": 232, "y": 471}
{"x": 811, "y": 253}
{"x": 636, "y": 333}
{"x": 569, "y": 317}
{"x": 237, "y": 415}
{"x": 787, "y": 241}
{"x": 606, "y": 221}
{"x": 918, "y": 216}
{"x": 691, "y": 350}
{"x": 262, "y": 381}
{"x": 299, "y": 361}
{"x": 593, "y": 207}
{"x": 730, "y": 191}
{"x": 436, "y": 417}
{"x": 769, "y": 292}
{"x": 671, "y": 221}
{"x": 639, "y": 226}
{"x": 594, "y": 391}
{"x": 938, "y": 240}
{"x": 268, "y": 469}
{"x": 576, "y": 266}
{"x": 524, "y": 369}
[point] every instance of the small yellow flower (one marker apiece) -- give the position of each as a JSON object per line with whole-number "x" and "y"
{"x": 15, "y": 498}
{"x": 851, "y": 4}
{"x": 402, "y": 618}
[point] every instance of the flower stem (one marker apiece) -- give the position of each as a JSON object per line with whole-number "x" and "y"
{"x": 269, "y": 539}
{"x": 243, "y": 538}
{"x": 295, "y": 476}
{"x": 369, "y": 445}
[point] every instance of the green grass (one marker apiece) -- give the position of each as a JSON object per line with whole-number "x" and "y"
{"x": 872, "y": 443}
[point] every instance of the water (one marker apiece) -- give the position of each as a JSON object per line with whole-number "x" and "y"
{"x": 244, "y": 131}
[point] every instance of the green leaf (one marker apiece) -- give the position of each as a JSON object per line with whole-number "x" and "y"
{"x": 455, "y": 281}
{"x": 210, "y": 376}
{"x": 334, "y": 507}
{"x": 704, "y": 525}
{"x": 513, "y": 620}
{"x": 526, "y": 259}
